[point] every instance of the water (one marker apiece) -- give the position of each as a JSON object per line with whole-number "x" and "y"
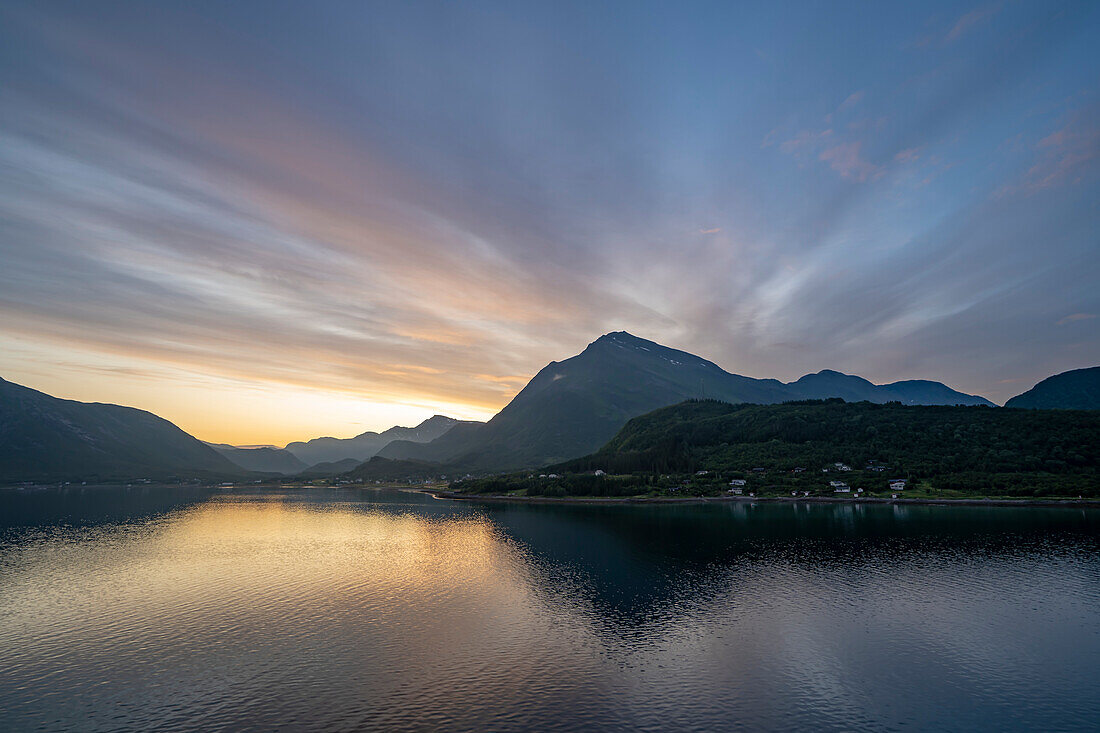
{"x": 133, "y": 609}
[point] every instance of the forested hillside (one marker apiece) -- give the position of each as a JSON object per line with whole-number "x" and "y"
{"x": 787, "y": 446}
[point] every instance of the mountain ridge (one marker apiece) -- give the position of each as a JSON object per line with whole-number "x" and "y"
{"x": 48, "y": 438}
{"x": 572, "y": 407}
{"x": 1076, "y": 389}
{"x": 367, "y": 444}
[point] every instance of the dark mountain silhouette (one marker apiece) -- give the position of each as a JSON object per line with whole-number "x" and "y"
{"x": 573, "y": 407}
{"x": 365, "y": 445}
{"x": 385, "y": 469}
{"x": 1078, "y": 389}
{"x": 329, "y": 468}
{"x": 828, "y": 383}
{"x": 46, "y": 438}
{"x": 263, "y": 459}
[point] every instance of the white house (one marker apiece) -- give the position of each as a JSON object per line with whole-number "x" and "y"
{"x": 736, "y": 491}
{"x": 897, "y": 485}
{"x": 738, "y": 482}
{"x": 600, "y": 472}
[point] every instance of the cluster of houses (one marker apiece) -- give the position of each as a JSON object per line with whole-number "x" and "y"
{"x": 738, "y": 485}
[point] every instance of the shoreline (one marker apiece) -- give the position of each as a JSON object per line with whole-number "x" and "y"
{"x": 611, "y": 500}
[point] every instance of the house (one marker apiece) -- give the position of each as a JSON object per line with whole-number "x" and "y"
{"x": 897, "y": 484}
{"x": 738, "y": 482}
{"x": 839, "y": 487}
{"x": 797, "y": 469}
{"x": 736, "y": 491}
{"x": 842, "y": 467}
{"x": 700, "y": 473}
{"x": 758, "y": 470}
{"x": 552, "y": 475}
{"x": 601, "y": 472}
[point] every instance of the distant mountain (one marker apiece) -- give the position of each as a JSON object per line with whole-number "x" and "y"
{"x": 1078, "y": 389}
{"x": 263, "y": 459}
{"x": 573, "y": 407}
{"x": 385, "y": 469}
{"x": 46, "y": 438}
{"x": 329, "y": 468}
{"x": 365, "y": 445}
{"x": 850, "y": 388}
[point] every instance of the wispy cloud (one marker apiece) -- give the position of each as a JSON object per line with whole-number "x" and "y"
{"x": 393, "y": 207}
{"x": 1066, "y": 156}
{"x": 847, "y": 160}
{"x": 968, "y": 21}
{"x": 1075, "y": 317}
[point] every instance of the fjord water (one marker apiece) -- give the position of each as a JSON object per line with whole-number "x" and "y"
{"x": 134, "y": 609}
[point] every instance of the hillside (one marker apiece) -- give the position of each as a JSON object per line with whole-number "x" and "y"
{"x": 572, "y": 407}
{"x": 329, "y": 468}
{"x": 1078, "y": 389}
{"x": 45, "y": 438}
{"x": 365, "y": 445}
{"x": 965, "y": 448}
{"x": 385, "y": 469}
{"x": 263, "y": 460}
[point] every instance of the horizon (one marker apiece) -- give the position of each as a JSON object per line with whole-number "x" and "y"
{"x": 269, "y": 222}
{"x": 379, "y": 429}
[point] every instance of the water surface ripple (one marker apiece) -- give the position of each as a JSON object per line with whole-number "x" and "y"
{"x": 135, "y": 609}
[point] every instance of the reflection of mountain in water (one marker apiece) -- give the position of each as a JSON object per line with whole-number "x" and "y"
{"x": 641, "y": 561}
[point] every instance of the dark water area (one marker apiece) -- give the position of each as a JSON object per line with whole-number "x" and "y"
{"x": 348, "y": 609}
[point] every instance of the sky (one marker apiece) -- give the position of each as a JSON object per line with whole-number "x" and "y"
{"x": 272, "y": 221}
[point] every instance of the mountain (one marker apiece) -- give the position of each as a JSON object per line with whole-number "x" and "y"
{"x": 385, "y": 469}
{"x": 263, "y": 459}
{"x": 46, "y": 438}
{"x": 329, "y": 468}
{"x": 365, "y": 445}
{"x": 573, "y": 407}
{"x": 827, "y": 384}
{"x": 1078, "y": 389}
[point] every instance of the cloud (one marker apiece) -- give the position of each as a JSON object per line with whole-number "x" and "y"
{"x": 971, "y": 20}
{"x": 851, "y": 100}
{"x": 393, "y": 209}
{"x": 846, "y": 159}
{"x": 804, "y": 139}
{"x": 1075, "y": 317}
{"x": 1064, "y": 157}
{"x": 907, "y": 156}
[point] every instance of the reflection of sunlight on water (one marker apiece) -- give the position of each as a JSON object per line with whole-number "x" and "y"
{"x": 385, "y": 610}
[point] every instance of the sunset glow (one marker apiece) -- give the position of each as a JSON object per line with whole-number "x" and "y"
{"x": 267, "y": 224}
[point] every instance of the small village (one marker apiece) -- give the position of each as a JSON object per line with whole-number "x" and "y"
{"x": 795, "y": 482}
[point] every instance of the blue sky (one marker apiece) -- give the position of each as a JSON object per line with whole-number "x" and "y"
{"x": 265, "y": 220}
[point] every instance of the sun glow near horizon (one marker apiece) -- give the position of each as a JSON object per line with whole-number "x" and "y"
{"x": 223, "y": 409}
